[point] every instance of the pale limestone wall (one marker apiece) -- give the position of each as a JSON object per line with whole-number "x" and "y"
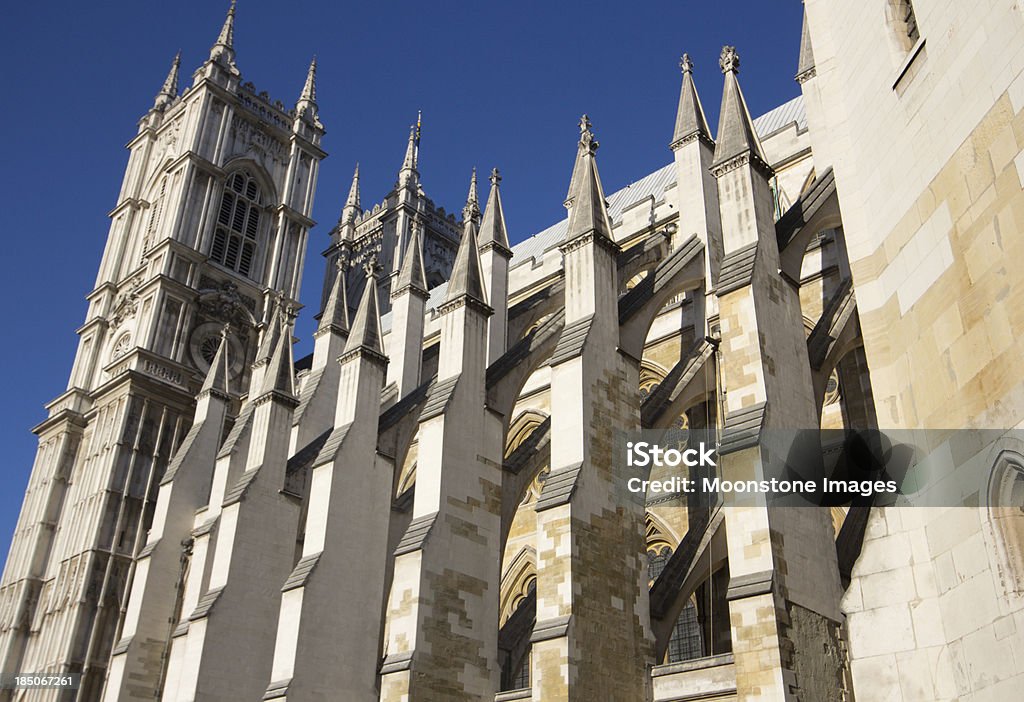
{"x": 930, "y": 170}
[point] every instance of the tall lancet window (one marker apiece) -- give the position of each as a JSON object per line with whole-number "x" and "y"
{"x": 236, "y": 237}
{"x": 909, "y": 20}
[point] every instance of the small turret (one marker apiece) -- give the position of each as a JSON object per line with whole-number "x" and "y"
{"x": 408, "y": 175}
{"x": 492, "y": 226}
{"x": 471, "y": 210}
{"x": 351, "y": 210}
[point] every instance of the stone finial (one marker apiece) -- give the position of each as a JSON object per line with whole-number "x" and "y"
{"x": 472, "y": 207}
{"x": 366, "y": 331}
{"x": 495, "y": 177}
{"x": 685, "y": 64}
{"x": 412, "y": 273}
{"x": 309, "y": 89}
{"x": 729, "y": 60}
{"x": 587, "y": 139}
{"x": 409, "y": 163}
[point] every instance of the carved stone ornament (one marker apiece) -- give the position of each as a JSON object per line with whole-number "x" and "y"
{"x": 126, "y": 306}
{"x": 225, "y": 304}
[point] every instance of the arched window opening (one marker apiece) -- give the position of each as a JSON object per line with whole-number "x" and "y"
{"x": 514, "y": 646}
{"x": 236, "y": 236}
{"x": 903, "y": 23}
{"x": 1006, "y": 512}
{"x": 686, "y": 642}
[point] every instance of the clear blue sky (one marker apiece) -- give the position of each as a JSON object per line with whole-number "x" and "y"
{"x": 500, "y": 84}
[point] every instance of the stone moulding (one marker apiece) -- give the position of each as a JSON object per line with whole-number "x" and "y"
{"x": 742, "y": 428}
{"x": 559, "y": 487}
{"x": 416, "y": 535}
{"x": 551, "y": 629}
{"x": 750, "y": 585}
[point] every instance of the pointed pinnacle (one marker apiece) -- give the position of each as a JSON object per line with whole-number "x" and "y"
{"x": 690, "y": 117}
{"x": 492, "y": 227}
{"x": 472, "y": 207}
{"x": 589, "y": 212}
{"x": 309, "y": 89}
{"x": 217, "y": 376}
{"x": 225, "y": 44}
{"x": 169, "y": 90}
{"x": 335, "y": 314}
{"x": 270, "y": 335}
{"x": 353, "y": 191}
{"x": 412, "y": 275}
{"x": 467, "y": 278}
{"x": 736, "y": 134}
{"x": 366, "y": 332}
{"x": 409, "y": 163}
{"x": 279, "y": 373}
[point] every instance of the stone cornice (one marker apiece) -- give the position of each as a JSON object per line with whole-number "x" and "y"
{"x": 747, "y": 158}
{"x": 693, "y": 136}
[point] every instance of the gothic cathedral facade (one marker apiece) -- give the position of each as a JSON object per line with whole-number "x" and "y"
{"x": 429, "y": 507}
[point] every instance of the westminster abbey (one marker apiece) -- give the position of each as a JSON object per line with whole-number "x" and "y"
{"x": 429, "y": 507}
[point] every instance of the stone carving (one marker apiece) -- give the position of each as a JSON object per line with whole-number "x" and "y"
{"x": 225, "y": 304}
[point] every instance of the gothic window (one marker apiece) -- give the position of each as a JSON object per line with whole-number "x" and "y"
{"x": 236, "y": 235}
{"x": 685, "y": 642}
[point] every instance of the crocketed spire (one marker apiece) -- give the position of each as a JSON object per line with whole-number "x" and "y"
{"x": 306, "y": 104}
{"x": 690, "y": 117}
{"x": 224, "y": 47}
{"x": 169, "y": 91}
{"x": 589, "y": 212}
{"x": 736, "y": 135}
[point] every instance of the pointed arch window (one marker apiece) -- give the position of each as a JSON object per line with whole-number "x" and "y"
{"x": 236, "y": 237}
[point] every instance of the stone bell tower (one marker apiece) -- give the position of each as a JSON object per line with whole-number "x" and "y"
{"x": 209, "y": 231}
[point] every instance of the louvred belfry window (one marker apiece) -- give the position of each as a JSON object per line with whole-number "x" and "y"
{"x": 236, "y": 237}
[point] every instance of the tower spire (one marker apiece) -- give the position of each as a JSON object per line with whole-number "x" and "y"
{"x": 690, "y": 119}
{"x": 492, "y": 227}
{"x": 169, "y": 91}
{"x": 307, "y": 98}
{"x": 736, "y": 134}
{"x": 408, "y": 173}
{"x": 467, "y": 278}
{"x": 224, "y": 47}
{"x": 351, "y": 210}
{"x": 589, "y": 212}
{"x": 472, "y": 207}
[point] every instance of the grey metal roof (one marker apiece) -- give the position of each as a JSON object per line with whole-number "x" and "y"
{"x": 786, "y": 113}
{"x": 654, "y": 184}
